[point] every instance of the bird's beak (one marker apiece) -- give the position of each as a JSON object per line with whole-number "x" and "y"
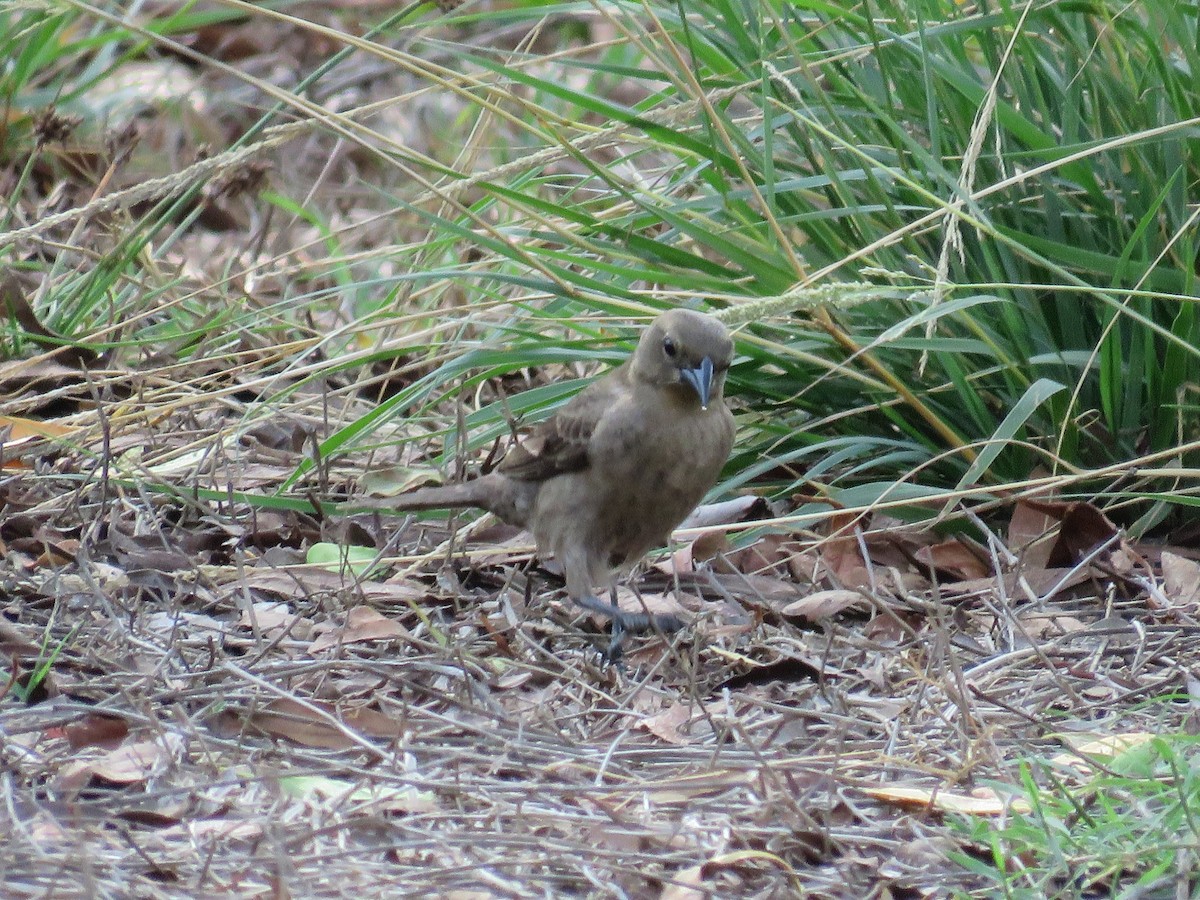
{"x": 699, "y": 379}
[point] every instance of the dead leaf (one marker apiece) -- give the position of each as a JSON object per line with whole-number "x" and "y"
{"x": 685, "y": 885}
{"x": 658, "y": 604}
{"x": 980, "y": 802}
{"x": 1082, "y": 527}
{"x": 707, "y": 546}
{"x": 275, "y": 619}
{"x": 668, "y": 724}
{"x": 772, "y": 554}
{"x": 826, "y": 604}
{"x": 727, "y": 512}
{"x": 1040, "y": 582}
{"x": 1181, "y": 579}
{"x": 313, "y": 724}
{"x": 953, "y": 558}
{"x": 1125, "y": 561}
{"x": 1105, "y": 746}
{"x": 16, "y": 306}
{"x": 13, "y": 640}
{"x": 363, "y": 625}
{"x": 366, "y": 798}
{"x": 804, "y": 566}
{"x": 786, "y": 669}
{"x": 58, "y": 551}
{"x": 188, "y": 625}
{"x": 394, "y": 480}
{"x": 684, "y": 788}
{"x": 1041, "y": 624}
{"x": 137, "y": 762}
{"x": 1028, "y": 535}
{"x": 96, "y": 730}
{"x": 753, "y": 589}
{"x": 842, "y": 554}
{"x": 306, "y": 580}
{"x": 210, "y": 831}
{"x": 19, "y": 429}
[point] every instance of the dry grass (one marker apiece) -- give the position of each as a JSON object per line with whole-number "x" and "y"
{"x": 465, "y": 741}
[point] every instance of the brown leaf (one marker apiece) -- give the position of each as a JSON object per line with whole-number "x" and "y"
{"x": 770, "y": 554}
{"x": 668, "y": 724}
{"x": 1041, "y": 624}
{"x": 363, "y": 625}
{"x": 133, "y": 763}
{"x": 35, "y": 381}
{"x": 1082, "y": 527}
{"x": 58, "y": 552}
{"x": 708, "y": 546}
{"x": 756, "y": 589}
{"x": 1181, "y": 579}
{"x": 12, "y": 638}
{"x": 981, "y": 802}
{"x": 657, "y": 604}
{"x": 842, "y": 554}
{"x": 16, "y": 308}
{"x": 95, "y": 730}
{"x": 786, "y": 669}
{"x": 1040, "y": 582}
{"x": 684, "y": 788}
{"x": 17, "y": 429}
{"x": 305, "y": 580}
{"x": 1028, "y": 530}
{"x": 299, "y": 723}
{"x": 843, "y": 558}
{"x": 207, "y": 832}
{"x": 826, "y": 604}
{"x": 954, "y": 559}
{"x": 686, "y": 885}
{"x": 275, "y": 619}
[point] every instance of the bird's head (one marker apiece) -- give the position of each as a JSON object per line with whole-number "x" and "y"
{"x": 688, "y": 348}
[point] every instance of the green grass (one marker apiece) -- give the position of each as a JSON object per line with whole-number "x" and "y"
{"x": 1131, "y": 830}
{"x": 1013, "y": 181}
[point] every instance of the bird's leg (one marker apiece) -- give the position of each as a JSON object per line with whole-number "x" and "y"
{"x": 619, "y": 625}
{"x": 623, "y": 621}
{"x": 594, "y": 604}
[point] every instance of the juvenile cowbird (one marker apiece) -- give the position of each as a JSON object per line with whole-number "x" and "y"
{"x": 612, "y": 473}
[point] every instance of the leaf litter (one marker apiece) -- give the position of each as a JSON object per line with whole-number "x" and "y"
{"x": 448, "y": 723}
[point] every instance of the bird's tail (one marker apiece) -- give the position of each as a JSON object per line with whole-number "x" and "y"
{"x": 450, "y": 496}
{"x": 508, "y": 498}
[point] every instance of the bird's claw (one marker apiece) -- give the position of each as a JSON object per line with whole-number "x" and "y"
{"x": 612, "y": 654}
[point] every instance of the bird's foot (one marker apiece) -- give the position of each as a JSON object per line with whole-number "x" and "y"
{"x": 626, "y": 621}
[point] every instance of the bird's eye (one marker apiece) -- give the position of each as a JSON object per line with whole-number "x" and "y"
{"x": 668, "y": 346}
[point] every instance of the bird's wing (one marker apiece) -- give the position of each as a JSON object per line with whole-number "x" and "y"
{"x": 560, "y": 444}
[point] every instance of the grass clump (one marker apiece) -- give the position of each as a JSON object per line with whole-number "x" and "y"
{"x": 1129, "y": 831}
{"x": 1003, "y": 191}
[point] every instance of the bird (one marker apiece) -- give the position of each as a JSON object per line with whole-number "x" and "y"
{"x": 613, "y": 472}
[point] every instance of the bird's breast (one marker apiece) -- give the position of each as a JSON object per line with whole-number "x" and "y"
{"x": 647, "y": 469}
{"x": 654, "y": 477}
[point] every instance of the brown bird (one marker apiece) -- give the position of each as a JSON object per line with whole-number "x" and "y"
{"x": 612, "y": 473}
